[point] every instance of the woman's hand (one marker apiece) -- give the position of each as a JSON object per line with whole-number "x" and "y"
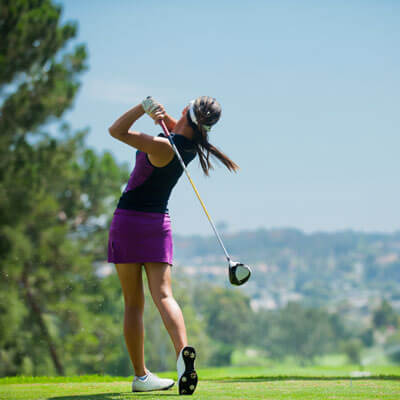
{"x": 159, "y": 114}
{"x": 154, "y": 109}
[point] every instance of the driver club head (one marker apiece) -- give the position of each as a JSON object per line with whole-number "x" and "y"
{"x": 238, "y": 273}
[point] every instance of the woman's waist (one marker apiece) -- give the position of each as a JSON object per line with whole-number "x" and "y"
{"x": 140, "y": 213}
{"x": 128, "y": 222}
{"x": 136, "y": 201}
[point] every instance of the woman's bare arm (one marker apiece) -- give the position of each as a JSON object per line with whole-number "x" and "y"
{"x": 170, "y": 122}
{"x": 159, "y": 148}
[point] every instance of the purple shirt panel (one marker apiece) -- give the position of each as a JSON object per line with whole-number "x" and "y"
{"x": 142, "y": 171}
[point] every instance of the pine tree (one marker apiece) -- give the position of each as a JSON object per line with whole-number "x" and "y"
{"x": 54, "y": 196}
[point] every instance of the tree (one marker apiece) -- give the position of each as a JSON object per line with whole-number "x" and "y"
{"x": 385, "y": 316}
{"x": 302, "y": 332}
{"x": 392, "y": 347}
{"x": 50, "y": 260}
{"x": 353, "y": 348}
{"x": 54, "y": 196}
{"x": 228, "y": 318}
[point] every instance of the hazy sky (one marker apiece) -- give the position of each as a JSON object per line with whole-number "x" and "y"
{"x": 310, "y": 92}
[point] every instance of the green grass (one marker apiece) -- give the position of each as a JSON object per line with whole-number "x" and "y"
{"x": 220, "y": 383}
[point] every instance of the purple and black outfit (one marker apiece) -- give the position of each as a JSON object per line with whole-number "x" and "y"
{"x": 140, "y": 230}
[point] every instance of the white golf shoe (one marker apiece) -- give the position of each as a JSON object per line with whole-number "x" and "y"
{"x": 151, "y": 382}
{"x": 187, "y": 376}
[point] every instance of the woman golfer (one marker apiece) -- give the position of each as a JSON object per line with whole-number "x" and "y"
{"x": 140, "y": 232}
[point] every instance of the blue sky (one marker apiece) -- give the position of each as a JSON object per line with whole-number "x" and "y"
{"x": 310, "y": 92}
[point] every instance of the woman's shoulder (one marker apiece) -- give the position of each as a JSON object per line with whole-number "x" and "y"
{"x": 181, "y": 142}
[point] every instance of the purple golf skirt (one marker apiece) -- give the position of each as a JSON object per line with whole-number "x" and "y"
{"x": 139, "y": 237}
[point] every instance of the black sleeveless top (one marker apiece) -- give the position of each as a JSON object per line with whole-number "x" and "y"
{"x": 150, "y": 187}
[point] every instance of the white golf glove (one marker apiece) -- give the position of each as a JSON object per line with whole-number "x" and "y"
{"x": 150, "y": 105}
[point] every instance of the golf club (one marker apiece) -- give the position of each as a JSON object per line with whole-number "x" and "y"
{"x": 238, "y": 273}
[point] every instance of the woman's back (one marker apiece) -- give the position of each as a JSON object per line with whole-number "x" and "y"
{"x": 149, "y": 187}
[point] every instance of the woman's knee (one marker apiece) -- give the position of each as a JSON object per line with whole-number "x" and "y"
{"x": 162, "y": 298}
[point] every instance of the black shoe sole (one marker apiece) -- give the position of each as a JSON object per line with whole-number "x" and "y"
{"x": 188, "y": 381}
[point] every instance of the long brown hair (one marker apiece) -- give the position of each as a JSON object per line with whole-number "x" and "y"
{"x": 207, "y": 112}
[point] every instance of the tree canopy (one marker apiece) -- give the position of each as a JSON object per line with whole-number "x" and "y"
{"x": 54, "y": 191}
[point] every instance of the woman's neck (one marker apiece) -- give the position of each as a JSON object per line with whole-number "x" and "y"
{"x": 182, "y": 128}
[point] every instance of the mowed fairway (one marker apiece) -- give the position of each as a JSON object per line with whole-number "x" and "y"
{"x": 216, "y": 384}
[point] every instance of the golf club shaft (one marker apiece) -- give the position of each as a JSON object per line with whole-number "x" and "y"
{"x": 165, "y": 129}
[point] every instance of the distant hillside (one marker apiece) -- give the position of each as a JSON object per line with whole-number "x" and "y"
{"x": 318, "y": 269}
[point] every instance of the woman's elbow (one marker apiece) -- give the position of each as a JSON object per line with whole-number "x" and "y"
{"x": 112, "y": 131}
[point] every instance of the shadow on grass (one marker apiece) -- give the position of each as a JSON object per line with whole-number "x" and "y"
{"x": 308, "y": 378}
{"x": 113, "y": 396}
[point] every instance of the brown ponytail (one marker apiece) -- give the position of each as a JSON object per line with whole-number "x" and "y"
{"x": 207, "y": 111}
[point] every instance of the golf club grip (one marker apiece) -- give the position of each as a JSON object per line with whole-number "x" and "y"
{"x": 165, "y": 129}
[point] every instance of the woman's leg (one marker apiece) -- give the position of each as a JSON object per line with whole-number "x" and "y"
{"x": 130, "y": 276}
{"x": 159, "y": 278}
